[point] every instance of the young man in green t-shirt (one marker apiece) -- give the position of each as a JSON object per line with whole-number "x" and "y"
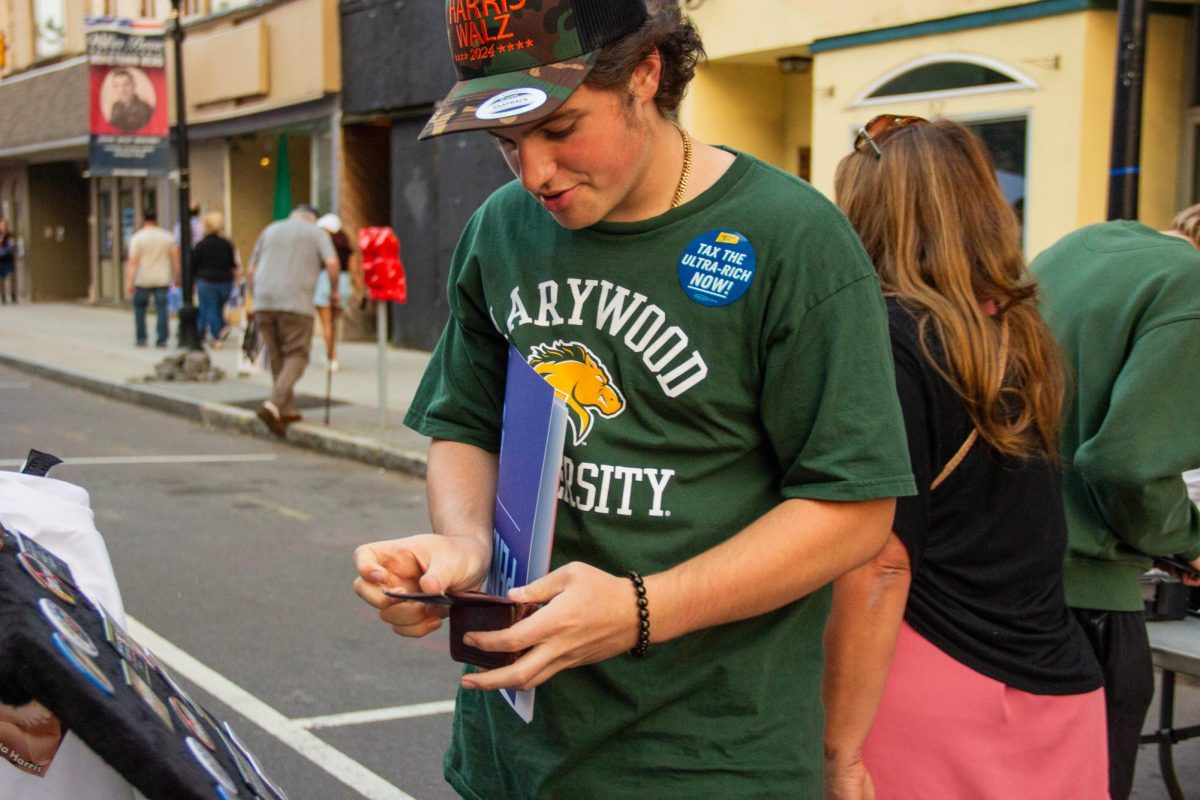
{"x": 738, "y": 441}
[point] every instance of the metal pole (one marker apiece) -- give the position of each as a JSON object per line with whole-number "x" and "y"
{"x": 189, "y": 335}
{"x": 1125, "y": 164}
{"x": 381, "y": 336}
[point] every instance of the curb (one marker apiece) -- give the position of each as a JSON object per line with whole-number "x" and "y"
{"x": 219, "y": 416}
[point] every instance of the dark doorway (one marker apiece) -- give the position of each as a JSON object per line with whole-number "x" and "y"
{"x": 57, "y": 240}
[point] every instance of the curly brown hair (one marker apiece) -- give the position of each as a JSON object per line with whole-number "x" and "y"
{"x": 666, "y": 29}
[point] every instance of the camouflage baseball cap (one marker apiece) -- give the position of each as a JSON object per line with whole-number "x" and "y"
{"x": 519, "y": 60}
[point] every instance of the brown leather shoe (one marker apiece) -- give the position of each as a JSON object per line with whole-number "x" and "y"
{"x": 274, "y": 422}
{"x": 291, "y": 416}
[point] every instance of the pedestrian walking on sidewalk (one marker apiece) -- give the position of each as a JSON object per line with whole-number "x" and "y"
{"x": 148, "y": 274}
{"x": 326, "y": 312}
{"x": 288, "y": 256}
{"x": 1124, "y": 302}
{"x": 954, "y": 668}
{"x": 735, "y": 444}
{"x": 215, "y": 266}
{"x": 8, "y": 264}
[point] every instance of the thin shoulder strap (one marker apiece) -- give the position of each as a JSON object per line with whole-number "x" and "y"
{"x": 953, "y": 463}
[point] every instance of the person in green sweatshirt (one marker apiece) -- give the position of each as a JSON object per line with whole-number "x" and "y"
{"x": 1124, "y": 302}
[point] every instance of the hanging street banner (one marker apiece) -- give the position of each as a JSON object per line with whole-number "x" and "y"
{"x": 127, "y": 73}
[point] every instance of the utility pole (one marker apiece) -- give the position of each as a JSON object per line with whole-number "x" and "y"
{"x": 189, "y": 335}
{"x": 1125, "y": 164}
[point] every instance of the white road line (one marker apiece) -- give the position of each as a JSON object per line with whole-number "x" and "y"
{"x": 376, "y": 715}
{"x": 330, "y": 759}
{"x": 93, "y": 461}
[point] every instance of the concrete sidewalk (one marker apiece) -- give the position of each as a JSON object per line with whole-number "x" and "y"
{"x": 92, "y": 348}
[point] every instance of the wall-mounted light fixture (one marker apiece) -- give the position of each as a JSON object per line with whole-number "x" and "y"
{"x": 794, "y": 65}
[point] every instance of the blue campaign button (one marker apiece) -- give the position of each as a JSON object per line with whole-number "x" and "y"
{"x": 717, "y": 267}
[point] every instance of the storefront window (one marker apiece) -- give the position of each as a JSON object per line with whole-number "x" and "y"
{"x": 1007, "y": 139}
{"x": 941, "y": 77}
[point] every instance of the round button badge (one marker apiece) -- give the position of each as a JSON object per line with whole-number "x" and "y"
{"x": 45, "y": 577}
{"x": 212, "y": 766}
{"x": 84, "y": 665}
{"x": 717, "y": 267}
{"x": 68, "y": 628}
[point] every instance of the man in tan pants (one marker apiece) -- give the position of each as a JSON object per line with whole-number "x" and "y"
{"x": 287, "y": 259}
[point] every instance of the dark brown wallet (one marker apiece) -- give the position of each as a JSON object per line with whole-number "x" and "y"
{"x": 475, "y": 611}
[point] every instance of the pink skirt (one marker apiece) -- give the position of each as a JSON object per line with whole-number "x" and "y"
{"x": 945, "y": 732}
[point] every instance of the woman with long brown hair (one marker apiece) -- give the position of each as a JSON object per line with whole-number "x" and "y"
{"x": 954, "y": 669}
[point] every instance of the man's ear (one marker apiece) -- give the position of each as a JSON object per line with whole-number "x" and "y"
{"x": 643, "y": 83}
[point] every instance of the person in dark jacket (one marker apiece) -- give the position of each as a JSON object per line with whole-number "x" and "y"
{"x": 215, "y": 265}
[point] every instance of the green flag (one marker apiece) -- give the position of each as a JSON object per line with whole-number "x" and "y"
{"x": 283, "y": 180}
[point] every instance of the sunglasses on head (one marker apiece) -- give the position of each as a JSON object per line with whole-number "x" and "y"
{"x": 873, "y": 135}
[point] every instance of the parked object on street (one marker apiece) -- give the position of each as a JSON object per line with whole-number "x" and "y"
{"x": 287, "y": 259}
{"x": 1124, "y": 302}
{"x": 383, "y": 275}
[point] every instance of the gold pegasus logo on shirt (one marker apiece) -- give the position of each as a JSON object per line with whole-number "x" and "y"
{"x": 580, "y": 377}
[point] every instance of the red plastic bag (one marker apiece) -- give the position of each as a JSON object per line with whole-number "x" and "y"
{"x": 383, "y": 272}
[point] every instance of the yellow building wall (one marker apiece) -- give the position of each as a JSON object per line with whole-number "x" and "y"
{"x": 737, "y": 27}
{"x": 1162, "y": 119}
{"x": 301, "y": 51}
{"x": 250, "y": 197}
{"x": 739, "y": 105}
{"x": 1071, "y": 60}
{"x": 1053, "y": 109}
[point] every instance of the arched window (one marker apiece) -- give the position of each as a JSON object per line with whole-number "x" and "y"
{"x": 943, "y": 75}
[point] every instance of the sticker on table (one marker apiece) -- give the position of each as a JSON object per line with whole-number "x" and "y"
{"x": 139, "y": 685}
{"x": 60, "y": 568}
{"x": 717, "y": 267}
{"x": 212, "y": 766}
{"x": 68, "y": 627}
{"x": 84, "y": 665}
{"x": 258, "y": 770}
{"x": 129, "y": 650}
{"x": 249, "y": 777}
{"x": 45, "y": 577}
{"x": 191, "y": 723}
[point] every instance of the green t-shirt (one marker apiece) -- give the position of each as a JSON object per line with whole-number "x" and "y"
{"x": 720, "y": 358}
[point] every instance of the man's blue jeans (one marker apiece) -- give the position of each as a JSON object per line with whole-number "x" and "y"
{"x": 213, "y": 297}
{"x": 141, "y": 299}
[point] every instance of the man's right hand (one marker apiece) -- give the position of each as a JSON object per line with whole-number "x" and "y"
{"x": 425, "y": 563}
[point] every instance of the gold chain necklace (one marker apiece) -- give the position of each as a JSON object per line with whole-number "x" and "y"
{"x": 687, "y": 166}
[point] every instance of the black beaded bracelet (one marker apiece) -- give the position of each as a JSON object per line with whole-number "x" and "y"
{"x": 643, "y": 642}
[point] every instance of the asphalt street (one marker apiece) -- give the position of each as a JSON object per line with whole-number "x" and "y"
{"x": 236, "y": 554}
